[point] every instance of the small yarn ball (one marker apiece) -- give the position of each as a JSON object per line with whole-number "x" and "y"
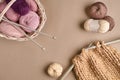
{"x": 97, "y": 10}
{"x": 20, "y": 7}
{"x": 30, "y": 21}
{"x": 55, "y": 70}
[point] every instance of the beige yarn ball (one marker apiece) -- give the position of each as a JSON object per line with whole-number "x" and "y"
{"x": 55, "y": 70}
{"x": 101, "y": 26}
{"x": 104, "y": 26}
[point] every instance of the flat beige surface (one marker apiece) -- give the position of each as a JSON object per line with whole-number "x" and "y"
{"x": 25, "y": 61}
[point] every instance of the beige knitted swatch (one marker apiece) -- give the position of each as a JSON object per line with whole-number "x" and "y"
{"x": 100, "y": 63}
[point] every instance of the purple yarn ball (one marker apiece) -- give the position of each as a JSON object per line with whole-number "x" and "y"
{"x": 20, "y": 7}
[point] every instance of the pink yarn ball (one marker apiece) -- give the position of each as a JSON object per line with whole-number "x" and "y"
{"x": 32, "y": 4}
{"x": 10, "y": 14}
{"x": 9, "y": 30}
{"x": 30, "y": 21}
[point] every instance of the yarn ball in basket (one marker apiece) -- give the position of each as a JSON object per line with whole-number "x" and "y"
{"x": 32, "y": 4}
{"x": 9, "y": 30}
{"x": 30, "y": 21}
{"x": 20, "y": 7}
{"x": 10, "y": 14}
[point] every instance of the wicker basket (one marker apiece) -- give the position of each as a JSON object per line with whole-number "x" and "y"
{"x": 43, "y": 18}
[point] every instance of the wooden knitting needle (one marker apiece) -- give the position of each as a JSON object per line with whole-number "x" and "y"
{"x": 72, "y": 66}
{"x": 6, "y": 8}
{"x": 4, "y": 19}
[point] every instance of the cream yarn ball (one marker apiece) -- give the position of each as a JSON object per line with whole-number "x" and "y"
{"x": 101, "y": 26}
{"x": 55, "y": 70}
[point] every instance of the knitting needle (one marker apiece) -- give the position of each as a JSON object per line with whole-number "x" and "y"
{"x": 6, "y": 8}
{"x": 72, "y": 66}
{"x": 47, "y": 35}
{"x": 42, "y": 33}
{"x": 53, "y": 37}
{"x": 24, "y": 33}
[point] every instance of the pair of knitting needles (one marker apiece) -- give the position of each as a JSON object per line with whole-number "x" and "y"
{"x": 89, "y": 47}
{"x": 16, "y": 24}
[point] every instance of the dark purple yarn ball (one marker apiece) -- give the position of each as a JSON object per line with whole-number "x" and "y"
{"x": 20, "y": 7}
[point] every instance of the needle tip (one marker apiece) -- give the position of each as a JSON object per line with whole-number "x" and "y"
{"x": 54, "y": 38}
{"x": 43, "y": 49}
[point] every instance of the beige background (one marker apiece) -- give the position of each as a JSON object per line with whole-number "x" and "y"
{"x": 25, "y": 61}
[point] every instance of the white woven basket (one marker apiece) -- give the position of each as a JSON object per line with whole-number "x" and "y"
{"x": 43, "y": 18}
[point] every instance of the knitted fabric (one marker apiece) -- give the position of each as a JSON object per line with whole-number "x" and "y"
{"x": 100, "y": 63}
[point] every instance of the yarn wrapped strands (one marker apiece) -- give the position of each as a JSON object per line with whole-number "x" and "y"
{"x": 9, "y": 30}
{"x": 10, "y": 14}
{"x": 32, "y": 4}
{"x": 40, "y": 13}
{"x": 20, "y": 7}
{"x": 30, "y": 21}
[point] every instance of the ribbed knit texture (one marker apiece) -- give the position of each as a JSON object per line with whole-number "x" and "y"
{"x": 100, "y": 63}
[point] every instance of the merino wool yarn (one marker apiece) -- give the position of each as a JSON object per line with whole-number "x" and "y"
{"x": 30, "y": 21}
{"x": 55, "y": 70}
{"x": 10, "y": 14}
{"x": 20, "y": 7}
{"x": 32, "y": 4}
{"x": 9, "y": 30}
{"x": 101, "y": 26}
{"x": 100, "y": 63}
{"x": 97, "y": 10}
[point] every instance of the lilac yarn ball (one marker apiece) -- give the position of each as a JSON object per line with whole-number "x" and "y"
{"x": 20, "y": 7}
